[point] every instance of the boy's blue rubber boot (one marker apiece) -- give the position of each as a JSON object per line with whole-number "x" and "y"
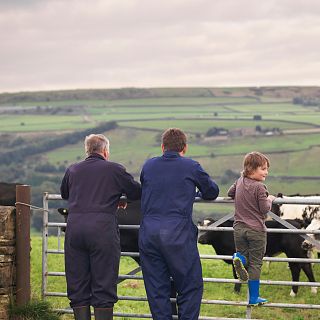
{"x": 254, "y": 298}
{"x": 239, "y": 261}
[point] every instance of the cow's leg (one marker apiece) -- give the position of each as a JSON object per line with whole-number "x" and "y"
{"x": 295, "y": 269}
{"x": 306, "y": 267}
{"x": 237, "y": 286}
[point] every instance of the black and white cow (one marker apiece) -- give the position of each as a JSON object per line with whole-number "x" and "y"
{"x": 309, "y": 215}
{"x": 304, "y": 212}
{"x": 290, "y": 244}
{"x": 314, "y": 225}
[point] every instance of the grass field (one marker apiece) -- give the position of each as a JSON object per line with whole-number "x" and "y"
{"x": 211, "y": 268}
{"x": 142, "y": 120}
{"x": 294, "y": 155}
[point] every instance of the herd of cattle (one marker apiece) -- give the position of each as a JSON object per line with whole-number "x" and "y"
{"x": 293, "y": 245}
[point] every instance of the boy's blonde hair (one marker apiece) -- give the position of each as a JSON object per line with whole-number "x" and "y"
{"x": 252, "y": 161}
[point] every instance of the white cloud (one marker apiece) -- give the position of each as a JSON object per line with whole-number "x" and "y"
{"x": 110, "y": 43}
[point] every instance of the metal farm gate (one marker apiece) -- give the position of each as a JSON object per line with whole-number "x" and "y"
{"x": 214, "y": 227}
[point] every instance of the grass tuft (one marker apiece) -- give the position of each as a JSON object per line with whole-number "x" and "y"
{"x": 34, "y": 310}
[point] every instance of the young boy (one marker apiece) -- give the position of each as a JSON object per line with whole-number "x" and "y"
{"x": 252, "y": 203}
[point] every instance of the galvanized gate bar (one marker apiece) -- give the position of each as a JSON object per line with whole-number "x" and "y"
{"x": 216, "y": 257}
{"x": 148, "y": 316}
{"x": 217, "y": 280}
{"x": 290, "y": 226}
{"x": 314, "y": 201}
{"x": 209, "y": 228}
{"x": 45, "y": 244}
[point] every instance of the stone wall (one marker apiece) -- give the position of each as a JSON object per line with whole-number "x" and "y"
{"x": 7, "y": 259}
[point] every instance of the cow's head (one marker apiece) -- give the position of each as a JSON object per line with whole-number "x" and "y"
{"x": 275, "y": 208}
{"x": 314, "y": 225}
{"x": 204, "y": 235}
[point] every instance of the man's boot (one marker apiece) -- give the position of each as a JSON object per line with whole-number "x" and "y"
{"x": 82, "y": 313}
{"x": 103, "y": 313}
{"x": 239, "y": 262}
{"x": 254, "y": 298}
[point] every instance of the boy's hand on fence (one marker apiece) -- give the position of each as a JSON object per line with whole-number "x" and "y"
{"x": 271, "y": 197}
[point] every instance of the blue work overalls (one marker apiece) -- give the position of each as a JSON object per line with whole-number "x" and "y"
{"x": 93, "y": 188}
{"x": 168, "y": 236}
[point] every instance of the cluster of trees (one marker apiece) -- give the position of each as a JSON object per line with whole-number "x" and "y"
{"x": 276, "y": 131}
{"x": 306, "y": 101}
{"x": 44, "y": 110}
{"x": 102, "y": 94}
{"x": 8, "y": 142}
{"x": 215, "y": 131}
{"x": 229, "y": 176}
{"x": 49, "y": 168}
{"x": 19, "y": 154}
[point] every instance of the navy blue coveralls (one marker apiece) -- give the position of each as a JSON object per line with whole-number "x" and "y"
{"x": 168, "y": 236}
{"x": 93, "y": 188}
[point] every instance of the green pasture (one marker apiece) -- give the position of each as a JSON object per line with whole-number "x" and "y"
{"x": 163, "y": 111}
{"x": 171, "y": 101}
{"x": 267, "y": 144}
{"x": 201, "y": 125}
{"x": 212, "y": 291}
{"x": 39, "y": 123}
{"x": 191, "y": 114}
{"x": 132, "y": 147}
{"x": 267, "y": 108}
{"x": 141, "y": 122}
{"x": 179, "y": 101}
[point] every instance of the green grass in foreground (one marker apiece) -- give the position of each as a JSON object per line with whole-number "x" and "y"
{"x": 211, "y": 268}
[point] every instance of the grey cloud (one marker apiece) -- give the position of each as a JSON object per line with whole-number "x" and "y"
{"x": 78, "y": 43}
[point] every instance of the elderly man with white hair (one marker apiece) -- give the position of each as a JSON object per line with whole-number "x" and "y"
{"x": 93, "y": 188}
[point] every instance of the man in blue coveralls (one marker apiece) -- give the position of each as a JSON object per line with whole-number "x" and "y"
{"x": 93, "y": 188}
{"x": 168, "y": 236}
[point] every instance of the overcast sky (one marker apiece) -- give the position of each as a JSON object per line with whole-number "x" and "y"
{"x": 69, "y": 44}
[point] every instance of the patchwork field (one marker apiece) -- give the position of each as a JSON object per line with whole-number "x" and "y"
{"x": 222, "y": 126}
{"x": 41, "y": 133}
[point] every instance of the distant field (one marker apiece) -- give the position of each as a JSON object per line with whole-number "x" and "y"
{"x": 36, "y": 123}
{"x": 142, "y": 120}
{"x": 202, "y": 125}
{"x": 183, "y": 101}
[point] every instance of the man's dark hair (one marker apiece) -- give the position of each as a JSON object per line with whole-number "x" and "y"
{"x": 174, "y": 139}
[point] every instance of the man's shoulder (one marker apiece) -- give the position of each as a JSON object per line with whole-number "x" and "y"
{"x": 75, "y": 165}
{"x": 152, "y": 160}
{"x": 114, "y": 165}
{"x": 190, "y": 160}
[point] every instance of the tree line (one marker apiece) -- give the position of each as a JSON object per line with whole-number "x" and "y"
{"x": 19, "y": 154}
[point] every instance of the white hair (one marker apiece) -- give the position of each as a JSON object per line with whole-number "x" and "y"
{"x": 96, "y": 143}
